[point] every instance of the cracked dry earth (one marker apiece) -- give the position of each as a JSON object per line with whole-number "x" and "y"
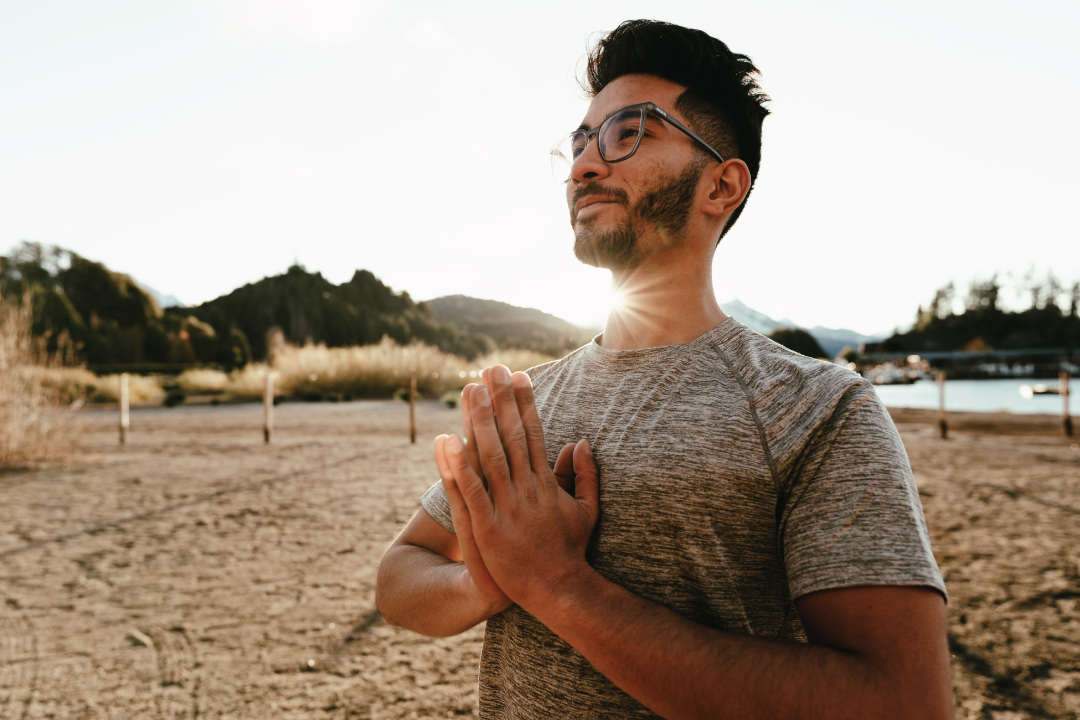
{"x": 197, "y": 572}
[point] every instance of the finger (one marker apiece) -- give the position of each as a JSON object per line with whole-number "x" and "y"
{"x": 458, "y": 511}
{"x": 493, "y": 462}
{"x": 467, "y": 482}
{"x": 466, "y": 420}
{"x": 586, "y": 479}
{"x": 468, "y": 547}
{"x": 564, "y": 468}
{"x": 441, "y": 462}
{"x": 530, "y": 421}
{"x": 508, "y": 420}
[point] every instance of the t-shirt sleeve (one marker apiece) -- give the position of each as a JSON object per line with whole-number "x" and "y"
{"x": 438, "y": 505}
{"x": 852, "y": 515}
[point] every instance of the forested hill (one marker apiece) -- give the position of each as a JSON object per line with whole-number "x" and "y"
{"x": 112, "y": 321}
{"x": 510, "y": 326}
{"x": 1051, "y": 321}
{"x": 308, "y": 307}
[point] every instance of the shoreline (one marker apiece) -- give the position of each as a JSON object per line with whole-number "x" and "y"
{"x": 986, "y": 423}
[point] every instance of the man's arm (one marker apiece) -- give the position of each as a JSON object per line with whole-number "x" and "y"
{"x": 430, "y": 580}
{"x": 433, "y": 581}
{"x": 877, "y": 652}
{"x": 424, "y": 585}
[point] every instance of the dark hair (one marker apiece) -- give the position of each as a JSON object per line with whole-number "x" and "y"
{"x": 722, "y": 100}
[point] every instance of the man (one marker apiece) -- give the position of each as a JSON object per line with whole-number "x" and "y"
{"x": 729, "y": 529}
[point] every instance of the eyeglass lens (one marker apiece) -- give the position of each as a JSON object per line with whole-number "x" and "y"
{"x": 617, "y": 138}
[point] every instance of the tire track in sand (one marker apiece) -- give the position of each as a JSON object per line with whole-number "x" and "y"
{"x": 179, "y": 675}
{"x": 19, "y": 666}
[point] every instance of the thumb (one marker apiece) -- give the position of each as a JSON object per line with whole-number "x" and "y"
{"x": 564, "y": 468}
{"x": 586, "y": 479}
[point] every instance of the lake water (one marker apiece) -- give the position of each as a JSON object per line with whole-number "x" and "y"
{"x": 979, "y": 396}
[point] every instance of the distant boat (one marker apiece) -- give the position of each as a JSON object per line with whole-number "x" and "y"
{"x": 1039, "y": 389}
{"x": 891, "y": 375}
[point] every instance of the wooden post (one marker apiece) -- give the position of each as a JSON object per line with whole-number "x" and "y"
{"x": 412, "y": 408}
{"x": 268, "y": 406}
{"x": 1066, "y": 419}
{"x": 125, "y": 417}
{"x": 943, "y": 424}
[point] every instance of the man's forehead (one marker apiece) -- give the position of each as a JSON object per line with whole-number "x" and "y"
{"x": 631, "y": 90}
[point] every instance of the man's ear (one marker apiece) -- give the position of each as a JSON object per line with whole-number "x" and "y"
{"x": 728, "y": 184}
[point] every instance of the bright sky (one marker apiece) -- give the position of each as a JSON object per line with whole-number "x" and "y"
{"x": 202, "y": 144}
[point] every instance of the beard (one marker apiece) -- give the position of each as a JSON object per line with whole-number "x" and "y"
{"x": 664, "y": 207}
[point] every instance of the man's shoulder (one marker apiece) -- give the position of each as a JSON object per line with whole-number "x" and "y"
{"x": 762, "y": 362}
{"x": 787, "y": 388}
{"x": 546, "y": 371}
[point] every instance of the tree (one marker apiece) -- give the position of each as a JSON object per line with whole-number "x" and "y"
{"x": 941, "y": 306}
{"x": 798, "y": 340}
{"x": 1052, "y": 289}
{"x": 984, "y": 295}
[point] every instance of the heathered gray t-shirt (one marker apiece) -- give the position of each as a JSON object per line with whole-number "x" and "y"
{"x": 735, "y": 476}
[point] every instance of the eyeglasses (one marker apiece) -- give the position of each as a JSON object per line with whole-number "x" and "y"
{"x": 617, "y": 138}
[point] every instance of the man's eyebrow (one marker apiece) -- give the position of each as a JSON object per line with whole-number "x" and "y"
{"x": 582, "y": 127}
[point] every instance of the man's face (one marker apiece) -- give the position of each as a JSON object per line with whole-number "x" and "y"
{"x": 621, "y": 212}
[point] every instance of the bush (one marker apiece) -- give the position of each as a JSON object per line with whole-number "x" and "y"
{"x": 174, "y": 398}
{"x": 450, "y": 398}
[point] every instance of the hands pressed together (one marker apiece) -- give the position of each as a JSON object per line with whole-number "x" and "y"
{"x": 522, "y": 527}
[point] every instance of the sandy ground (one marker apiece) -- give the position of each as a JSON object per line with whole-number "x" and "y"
{"x": 197, "y": 572}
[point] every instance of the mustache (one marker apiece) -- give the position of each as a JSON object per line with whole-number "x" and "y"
{"x": 595, "y": 188}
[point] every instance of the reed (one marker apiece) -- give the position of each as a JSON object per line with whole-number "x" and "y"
{"x": 36, "y": 395}
{"x": 202, "y": 381}
{"x": 368, "y": 371}
{"x": 141, "y": 389}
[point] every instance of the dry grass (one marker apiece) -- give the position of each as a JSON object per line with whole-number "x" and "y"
{"x": 37, "y": 387}
{"x": 513, "y": 359}
{"x": 36, "y": 422}
{"x": 140, "y": 389}
{"x": 368, "y": 370}
{"x": 202, "y": 381}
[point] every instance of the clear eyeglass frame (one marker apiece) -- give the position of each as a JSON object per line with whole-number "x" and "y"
{"x": 615, "y": 147}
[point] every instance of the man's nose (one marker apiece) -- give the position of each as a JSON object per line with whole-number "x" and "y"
{"x": 589, "y": 165}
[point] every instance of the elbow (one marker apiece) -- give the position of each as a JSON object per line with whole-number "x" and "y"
{"x": 384, "y": 589}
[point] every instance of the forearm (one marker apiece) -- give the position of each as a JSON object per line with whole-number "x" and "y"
{"x": 681, "y": 669}
{"x": 427, "y": 593}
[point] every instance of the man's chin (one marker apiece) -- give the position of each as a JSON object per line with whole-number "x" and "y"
{"x": 607, "y": 255}
{"x": 585, "y": 252}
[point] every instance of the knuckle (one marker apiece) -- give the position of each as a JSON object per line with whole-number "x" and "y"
{"x": 474, "y": 491}
{"x": 516, "y": 435}
{"x": 532, "y": 493}
{"x": 491, "y": 455}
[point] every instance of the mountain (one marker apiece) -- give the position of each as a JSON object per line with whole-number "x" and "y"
{"x": 753, "y": 319}
{"x": 111, "y": 318}
{"x": 832, "y": 340}
{"x": 307, "y": 307}
{"x": 510, "y": 326}
{"x": 163, "y": 301}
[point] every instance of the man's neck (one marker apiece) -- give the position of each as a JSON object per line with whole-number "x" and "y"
{"x": 661, "y": 307}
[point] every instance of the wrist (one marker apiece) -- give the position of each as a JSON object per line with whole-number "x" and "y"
{"x": 561, "y": 596}
{"x": 484, "y": 604}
